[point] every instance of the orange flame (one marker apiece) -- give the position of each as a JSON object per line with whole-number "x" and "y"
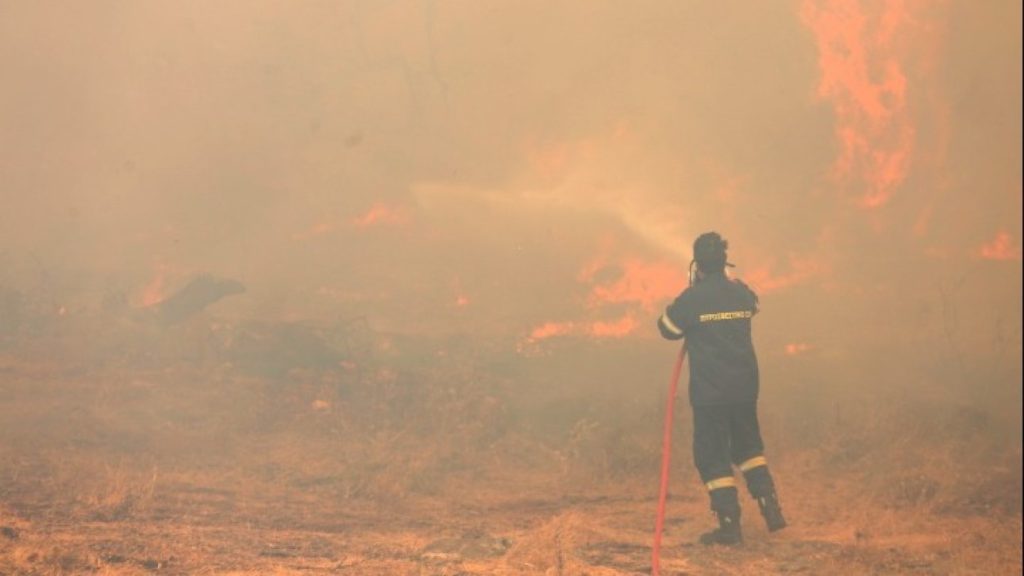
{"x": 1000, "y": 248}
{"x": 797, "y": 348}
{"x": 620, "y": 328}
{"x": 155, "y": 290}
{"x": 616, "y": 329}
{"x": 550, "y": 329}
{"x": 646, "y": 284}
{"x": 639, "y": 286}
{"x": 873, "y": 125}
{"x": 461, "y": 299}
{"x": 377, "y": 215}
{"x": 380, "y": 214}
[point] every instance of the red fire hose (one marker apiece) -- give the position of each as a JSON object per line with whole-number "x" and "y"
{"x": 666, "y": 452}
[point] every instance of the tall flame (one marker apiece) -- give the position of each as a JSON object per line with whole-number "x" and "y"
{"x": 862, "y": 75}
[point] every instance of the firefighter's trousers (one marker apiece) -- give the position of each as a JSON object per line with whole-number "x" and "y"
{"x": 724, "y": 436}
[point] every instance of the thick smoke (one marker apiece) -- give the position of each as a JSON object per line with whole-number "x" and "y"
{"x": 525, "y": 168}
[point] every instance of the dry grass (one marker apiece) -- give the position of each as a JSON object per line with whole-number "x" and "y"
{"x": 417, "y": 462}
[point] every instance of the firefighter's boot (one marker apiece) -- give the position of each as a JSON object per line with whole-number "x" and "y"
{"x": 726, "y": 506}
{"x": 728, "y": 532}
{"x": 771, "y": 511}
{"x": 762, "y": 488}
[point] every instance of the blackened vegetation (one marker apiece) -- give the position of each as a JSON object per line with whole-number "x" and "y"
{"x": 195, "y": 297}
{"x": 273, "y": 349}
{"x": 12, "y": 311}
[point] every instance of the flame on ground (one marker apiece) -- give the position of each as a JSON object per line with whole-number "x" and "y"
{"x": 638, "y": 286}
{"x": 380, "y": 214}
{"x": 551, "y": 329}
{"x": 643, "y": 284}
{"x": 1000, "y": 248}
{"x": 616, "y": 329}
{"x": 795, "y": 349}
{"x": 620, "y": 328}
{"x": 156, "y": 290}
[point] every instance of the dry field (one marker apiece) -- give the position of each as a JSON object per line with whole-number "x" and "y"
{"x": 463, "y": 457}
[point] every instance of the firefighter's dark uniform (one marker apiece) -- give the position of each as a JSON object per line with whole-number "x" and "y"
{"x": 714, "y": 315}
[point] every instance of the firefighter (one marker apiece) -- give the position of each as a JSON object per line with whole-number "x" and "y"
{"x": 714, "y": 314}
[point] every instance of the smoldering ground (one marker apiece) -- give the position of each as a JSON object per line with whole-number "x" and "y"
{"x": 455, "y": 224}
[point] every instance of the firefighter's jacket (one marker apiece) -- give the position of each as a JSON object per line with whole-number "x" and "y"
{"x": 714, "y": 316}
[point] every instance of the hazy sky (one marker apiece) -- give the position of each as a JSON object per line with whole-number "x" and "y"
{"x": 519, "y": 166}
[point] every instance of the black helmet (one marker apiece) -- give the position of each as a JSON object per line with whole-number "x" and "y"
{"x": 709, "y": 252}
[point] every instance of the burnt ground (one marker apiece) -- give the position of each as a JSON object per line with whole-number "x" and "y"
{"x": 460, "y": 457}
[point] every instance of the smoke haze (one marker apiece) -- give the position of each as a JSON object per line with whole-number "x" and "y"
{"x": 370, "y": 286}
{"x": 532, "y": 169}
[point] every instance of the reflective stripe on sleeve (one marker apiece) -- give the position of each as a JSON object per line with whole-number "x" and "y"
{"x": 669, "y": 325}
{"x": 753, "y": 463}
{"x": 723, "y": 482}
